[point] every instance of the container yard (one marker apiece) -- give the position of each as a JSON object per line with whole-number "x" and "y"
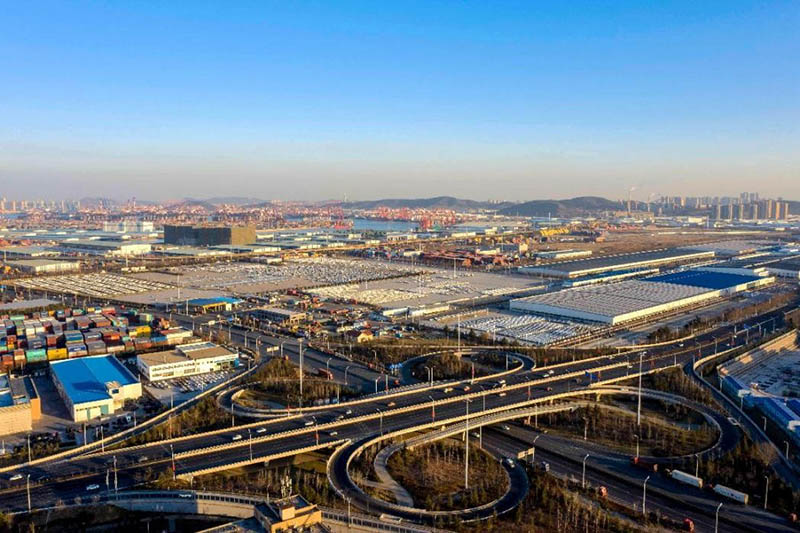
{"x": 44, "y": 338}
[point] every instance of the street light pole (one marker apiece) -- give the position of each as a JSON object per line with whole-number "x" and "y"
{"x": 345, "y": 374}
{"x": 583, "y": 475}
{"x": 380, "y": 413}
{"x": 466, "y": 446}
{"x": 533, "y": 450}
{"x": 300, "y": 403}
{"x": 644, "y": 496}
{"x": 637, "y": 445}
{"x": 639, "y": 405}
{"x": 28, "y": 489}
{"x": 433, "y": 409}
{"x": 250, "y": 442}
{"x": 766, "y": 492}
{"x": 716, "y": 518}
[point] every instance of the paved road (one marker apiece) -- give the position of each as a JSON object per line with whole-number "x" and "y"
{"x": 531, "y": 387}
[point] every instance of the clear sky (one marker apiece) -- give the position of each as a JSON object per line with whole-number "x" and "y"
{"x": 368, "y": 99}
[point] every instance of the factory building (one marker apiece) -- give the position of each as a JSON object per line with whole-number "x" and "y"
{"x": 20, "y": 405}
{"x": 278, "y": 315}
{"x": 44, "y": 266}
{"x": 563, "y": 254}
{"x": 105, "y": 247}
{"x": 95, "y": 386}
{"x": 129, "y": 226}
{"x": 636, "y": 299}
{"x": 186, "y": 360}
{"x": 213, "y": 305}
{"x": 596, "y": 265}
{"x": 208, "y": 235}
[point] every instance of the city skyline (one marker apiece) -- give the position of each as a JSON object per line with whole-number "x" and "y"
{"x": 311, "y": 102}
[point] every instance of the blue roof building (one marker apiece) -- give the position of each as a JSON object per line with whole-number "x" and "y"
{"x": 94, "y": 386}
{"x": 706, "y": 279}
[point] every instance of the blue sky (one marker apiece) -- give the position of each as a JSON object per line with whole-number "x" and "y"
{"x": 315, "y": 100}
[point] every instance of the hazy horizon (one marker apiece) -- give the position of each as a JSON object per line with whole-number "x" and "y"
{"x": 306, "y": 101}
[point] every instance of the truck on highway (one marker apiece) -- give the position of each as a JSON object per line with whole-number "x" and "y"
{"x": 733, "y": 494}
{"x": 325, "y": 373}
{"x": 688, "y": 479}
{"x": 642, "y": 463}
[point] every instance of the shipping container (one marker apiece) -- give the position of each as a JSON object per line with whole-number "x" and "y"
{"x": 35, "y": 356}
{"x": 55, "y": 354}
{"x": 733, "y": 494}
{"x": 688, "y": 479}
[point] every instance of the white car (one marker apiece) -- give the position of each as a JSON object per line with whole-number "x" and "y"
{"x": 15, "y": 477}
{"x": 93, "y": 486}
{"x": 261, "y": 430}
{"x": 236, "y": 437}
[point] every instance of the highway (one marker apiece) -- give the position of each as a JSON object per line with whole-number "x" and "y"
{"x": 52, "y": 481}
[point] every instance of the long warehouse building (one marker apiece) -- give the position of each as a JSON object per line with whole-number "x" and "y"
{"x": 596, "y": 265}
{"x": 634, "y": 299}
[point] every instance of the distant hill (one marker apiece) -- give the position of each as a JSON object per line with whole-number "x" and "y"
{"x": 557, "y": 208}
{"x": 438, "y": 202}
{"x": 229, "y": 200}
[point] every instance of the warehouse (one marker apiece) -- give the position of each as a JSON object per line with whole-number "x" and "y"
{"x": 106, "y": 248}
{"x": 563, "y": 254}
{"x": 186, "y": 360}
{"x": 44, "y": 266}
{"x": 27, "y": 252}
{"x": 634, "y": 299}
{"x": 94, "y": 386}
{"x": 278, "y": 315}
{"x": 213, "y": 305}
{"x": 596, "y": 265}
{"x": 19, "y": 405}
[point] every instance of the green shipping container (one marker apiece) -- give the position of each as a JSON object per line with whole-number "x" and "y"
{"x": 34, "y": 356}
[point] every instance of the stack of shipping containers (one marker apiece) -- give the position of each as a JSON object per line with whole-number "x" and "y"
{"x": 67, "y": 333}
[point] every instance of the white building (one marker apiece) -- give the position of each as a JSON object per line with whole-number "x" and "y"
{"x": 186, "y": 360}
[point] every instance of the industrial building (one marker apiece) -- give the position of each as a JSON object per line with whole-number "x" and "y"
{"x": 635, "y": 299}
{"x": 563, "y": 254}
{"x": 212, "y": 305}
{"x": 208, "y": 235}
{"x": 106, "y": 247}
{"x": 44, "y": 266}
{"x": 129, "y": 226}
{"x": 94, "y": 386}
{"x": 186, "y": 360}
{"x": 278, "y": 315}
{"x": 20, "y": 405}
{"x": 26, "y": 252}
{"x": 596, "y": 265}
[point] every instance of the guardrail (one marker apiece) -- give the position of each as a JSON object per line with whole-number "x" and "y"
{"x": 113, "y": 439}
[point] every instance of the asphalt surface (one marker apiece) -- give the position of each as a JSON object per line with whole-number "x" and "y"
{"x": 54, "y": 481}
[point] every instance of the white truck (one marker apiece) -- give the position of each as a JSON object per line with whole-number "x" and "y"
{"x": 733, "y": 494}
{"x": 688, "y": 479}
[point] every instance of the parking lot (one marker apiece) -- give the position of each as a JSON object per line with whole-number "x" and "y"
{"x": 178, "y": 390}
{"x": 524, "y": 328}
{"x": 252, "y": 278}
{"x": 94, "y": 285}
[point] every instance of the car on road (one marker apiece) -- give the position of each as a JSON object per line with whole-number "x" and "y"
{"x": 733, "y": 421}
{"x": 236, "y": 437}
{"x": 509, "y": 462}
{"x": 308, "y": 423}
{"x": 15, "y": 477}
{"x": 92, "y": 487}
{"x": 333, "y": 433}
{"x": 448, "y": 390}
{"x": 349, "y": 412}
{"x": 261, "y": 430}
{"x": 505, "y": 427}
{"x": 502, "y": 394}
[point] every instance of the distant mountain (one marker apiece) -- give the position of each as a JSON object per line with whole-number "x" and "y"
{"x": 229, "y": 200}
{"x": 439, "y": 202}
{"x": 557, "y": 208}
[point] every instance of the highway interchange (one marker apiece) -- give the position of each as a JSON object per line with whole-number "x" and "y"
{"x": 330, "y": 426}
